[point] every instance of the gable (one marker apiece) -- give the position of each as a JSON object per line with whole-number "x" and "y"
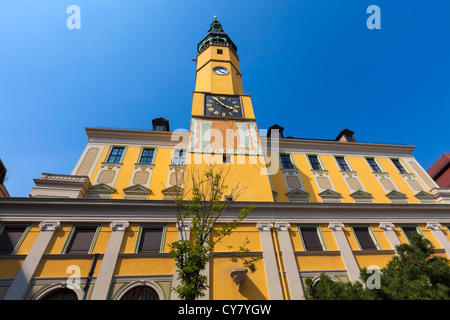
{"x": 137, "y": 189}
{"x": 395, "y": 194}
{"x": 361, "y": 194}
{"x": 297, "y": 193}
{"x": 102, "y": 188}
{"x": 330, "y": 193}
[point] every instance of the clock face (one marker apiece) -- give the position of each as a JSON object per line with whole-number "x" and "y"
{"x": 223, "y": 106}
{"x": 221, "y": 71}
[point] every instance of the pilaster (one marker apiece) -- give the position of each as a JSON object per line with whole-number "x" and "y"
{"x": 22, "y": 280}
{"x": 346, "y": 252}
{"x": 436, "y": 230}
{"x": 290, "y": 264}
{"x": 270, "y": 263}
{"x": 106, "y": 272}
{"x": 388, "y": 228}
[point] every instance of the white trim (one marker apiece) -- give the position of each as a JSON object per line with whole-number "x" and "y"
{"x": 125, "y": 289}
{"x": 61, "y": 285}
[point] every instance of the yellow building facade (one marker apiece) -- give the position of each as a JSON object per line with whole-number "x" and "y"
{"x": 103, "y": 231}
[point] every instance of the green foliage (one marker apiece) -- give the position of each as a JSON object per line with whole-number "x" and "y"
{"x": 416, "y": 273}
{"x": 249, "y": 263}
{"x": 202, "y": 211}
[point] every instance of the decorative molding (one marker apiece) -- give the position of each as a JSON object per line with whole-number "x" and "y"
{"x": 102, "y": 188}
{"x": 424, "y": 195}
{"x": 361, "y": 194}
{"x": 119, "y": 225}
{"x": 238, "y": 275}
{"x": 282, "y": 226}
{"x": 264, "y": 226}
{"x": 434, "y": 225}
{"x": 137, "y": 189}
{"x": 386, "y": 226}
{"x": 336, "y": 226}
{"x": 441, "y": 195}
{"x": 49, "y": 225}
{"x": 184, "y": 225}
{"x": 394, "y": 194}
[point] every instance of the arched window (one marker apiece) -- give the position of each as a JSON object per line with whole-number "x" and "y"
{"x": 61, "y": 294}
{"x": 141, "y": 293}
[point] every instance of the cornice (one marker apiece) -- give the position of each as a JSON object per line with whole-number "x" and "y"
{"x": 337, "y": 147}
{"x": 164, "y": 211}
{"x": 164, "y": 138}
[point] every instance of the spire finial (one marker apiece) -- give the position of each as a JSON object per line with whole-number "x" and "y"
{"x": 215, "y": 17}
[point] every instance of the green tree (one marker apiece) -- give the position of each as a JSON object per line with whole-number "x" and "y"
{"x": 202, "y": 211}
{"x": 415, "y": 273}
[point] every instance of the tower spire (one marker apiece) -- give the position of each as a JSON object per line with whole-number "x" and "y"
{"x": 216, "y": 35}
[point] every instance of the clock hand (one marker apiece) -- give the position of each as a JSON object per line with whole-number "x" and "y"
{"x": 223, "y": 103}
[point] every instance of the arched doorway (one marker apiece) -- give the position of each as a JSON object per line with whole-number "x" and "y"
{"x": 141, "y": 293}
{"x": 60, "y": 294}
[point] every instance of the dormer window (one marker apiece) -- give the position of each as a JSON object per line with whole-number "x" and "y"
{"x": 160, "y": 124}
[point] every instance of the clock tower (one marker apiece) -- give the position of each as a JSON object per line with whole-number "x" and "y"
{"x": 223, "y": 125}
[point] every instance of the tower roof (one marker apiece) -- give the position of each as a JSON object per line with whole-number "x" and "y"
{"x": 216, "y": 36}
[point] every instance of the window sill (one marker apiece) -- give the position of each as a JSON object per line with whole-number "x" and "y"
{"x": 319, "y": 171}
{"x": 148, "y": 165}
{"x": 118, "y": 164}
{"x": 318, "y": 253}
{"x": 357, "y": 252}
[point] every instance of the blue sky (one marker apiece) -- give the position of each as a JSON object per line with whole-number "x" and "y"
{"x": 311, "y": 66}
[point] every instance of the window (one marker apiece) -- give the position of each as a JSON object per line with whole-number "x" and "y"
{"x": 314, "y": 161}
{"x": 179, "y": 158}
{"x": 373, "y": 164}
{"x": 159, "y": 127}
{"x": 409, "y": 230}
{"x": 116, "y": 155}
{"x": 150, "y": 240}
{"x": 147, "y": 156}
{"x": 81, "y": 239}
{"x": 399, "y": 166}
{"x": 219, "y": 51}
{"x": 226, "y": 158}
{"x": 310, "y": 238}
{"x": 365, "y": 240}
{"x": 10, "y": 237}
{"x": 286, "y": 162}
{"x": 350, "y": 138}
{"x": 141, "y": 293}
{"x": 61, "y": 294}
{"x": 342, "y": 164}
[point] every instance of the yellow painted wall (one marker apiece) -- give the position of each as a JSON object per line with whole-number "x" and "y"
{"x": 319, "y": 262}
{"x": 366, "y": 260}
{"x": 301, "y": 162}
{"x": 61, "y": 267}
{"x": 247, "y": 175}
{"x": 10, "y": 267}
{"x": 253, "y": 287}
{"x": 401, "y": 184}
{"x": 368, "y": 179}
{"x": 124, "y": 176}
{"x": 144, "y": 265}
{"x": 29, "y": 239}
{"x": 208, "y": 81}
{"x": 160, "y": 173}
{"x": 336, "y": 178}
{"x": 238, "y": 238}
{"x": 99, "y": 163}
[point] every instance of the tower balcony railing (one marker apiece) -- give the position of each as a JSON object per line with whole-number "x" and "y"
{"x": 207, "y": 44}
